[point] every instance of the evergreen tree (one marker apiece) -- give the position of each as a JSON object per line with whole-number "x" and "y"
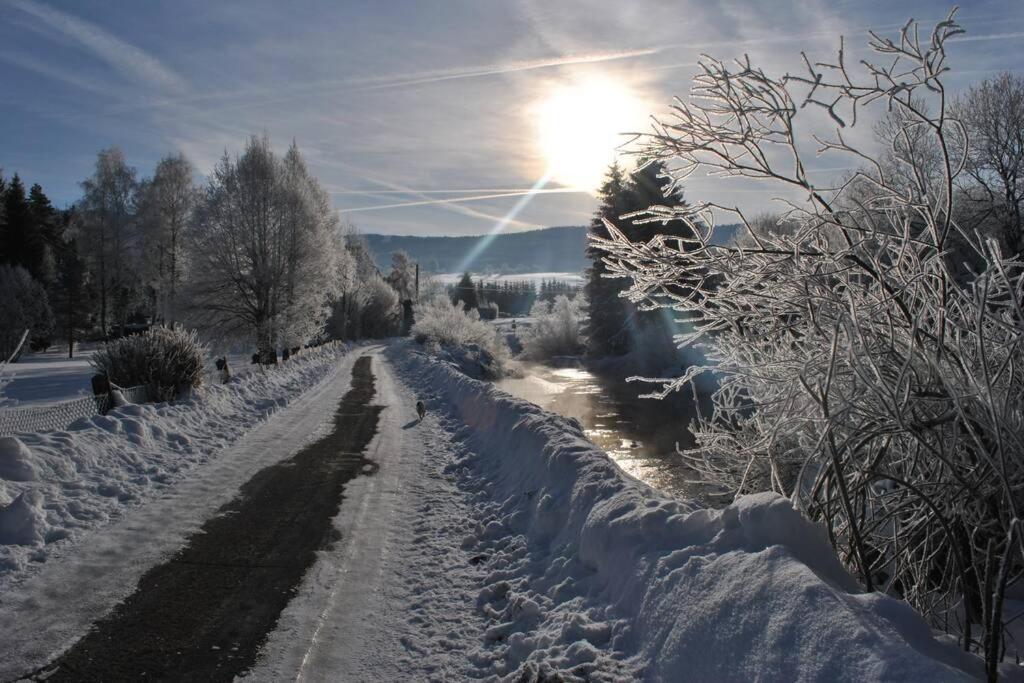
{"x": 17, "y": 242}
{"x": 616, "y": 326}
{"x": 3, "y": 217}
{"x": 606, "y": 333}
{"x": 45, "y": 236}
{"x": 465, "y": 292}
{"x": 69, "y": 295}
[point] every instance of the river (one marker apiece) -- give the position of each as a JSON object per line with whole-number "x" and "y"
{"x": 639, "y": 434}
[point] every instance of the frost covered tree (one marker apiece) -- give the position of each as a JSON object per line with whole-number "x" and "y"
{"x": 403, "y": 275}
{"x": 361, "y": 290}
{"x": 379, "y": 308}
{"x": 858, "y": 372}
{"x": 263, "y": 250}
{"x": 313, "y": 275}
{"x": 556, "y": 329}
{"x": 993, "y": 115}
{"x": 23, "y": 306}
{"x": 106, "y": 225}
{"x": 164, "y": 210}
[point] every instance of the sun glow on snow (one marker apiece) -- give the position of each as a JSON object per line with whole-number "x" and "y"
{"x": 582, "y": 124}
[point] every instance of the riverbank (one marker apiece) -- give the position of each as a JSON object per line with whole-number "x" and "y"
{"x": 640, "y": 434}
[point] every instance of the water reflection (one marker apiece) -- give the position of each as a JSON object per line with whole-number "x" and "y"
{"x": 639, "y": 434}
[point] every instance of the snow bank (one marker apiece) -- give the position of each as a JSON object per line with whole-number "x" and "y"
{"x": 593, "y": 575}
{"x": 55, "y": 485}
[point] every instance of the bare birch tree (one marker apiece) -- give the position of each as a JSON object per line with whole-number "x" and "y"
{"x": 164, "y": 210}
{"x": 263, "y": 249}
{"x": 106, "y": 226}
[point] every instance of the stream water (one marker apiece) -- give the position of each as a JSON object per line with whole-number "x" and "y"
{"x": 639, "y": 434}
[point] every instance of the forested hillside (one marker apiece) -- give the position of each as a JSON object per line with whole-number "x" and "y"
{"x": 548, "y": 250}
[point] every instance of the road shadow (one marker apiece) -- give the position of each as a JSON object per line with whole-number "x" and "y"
{"x": 410, "y": 424}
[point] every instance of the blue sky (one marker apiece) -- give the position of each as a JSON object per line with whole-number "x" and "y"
{"x": 418, "y": 117}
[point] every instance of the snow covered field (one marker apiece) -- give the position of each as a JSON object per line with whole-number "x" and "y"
{"x": 535, "y": 278}
{"x": 48, "y": 377}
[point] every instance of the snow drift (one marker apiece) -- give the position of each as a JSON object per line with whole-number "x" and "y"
{"x": 593, "y": 575}
{"x": 55, "y": 485}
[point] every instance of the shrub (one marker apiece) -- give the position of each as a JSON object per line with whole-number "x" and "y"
{"x": 168, "y": 359}
{"x": 862, "y": 372}
{"x": 556, "y": 329}
{"x": 444, "y": 322}
{"x": 441, "y": 323}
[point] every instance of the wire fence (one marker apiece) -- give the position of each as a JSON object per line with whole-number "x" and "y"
{"x": 61, "y": 415}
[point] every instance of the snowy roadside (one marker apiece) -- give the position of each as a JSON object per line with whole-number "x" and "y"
{"x": 585, "y": 573}
{"x": 56, "y": 485}
{"x": 46, "y": 611}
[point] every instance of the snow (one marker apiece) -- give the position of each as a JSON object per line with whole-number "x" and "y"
{"x": 23, "y": 521}
{"x": 88, "y": 475}
{"x": 16, "y": 462}
{"x": 493, "y": 541}
{"x": 535, "y": 278}
{"x": 496, "y": 542}
{"x": 48, "y": 377}
{"x": 44, "y": 610}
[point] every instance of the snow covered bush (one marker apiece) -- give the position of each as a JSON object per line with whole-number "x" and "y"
{"x": 555, "y": 330}
{"x": 168, "y": 359}
{"x": 449, "y": 330}
{"x": 23, "y": 306}
{"x": 860, "y": 373}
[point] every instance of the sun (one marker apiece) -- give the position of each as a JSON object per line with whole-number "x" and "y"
{"x": 581, "y": 125}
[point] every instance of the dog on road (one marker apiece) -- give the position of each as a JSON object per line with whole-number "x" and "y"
{"x": 421, "y": 409}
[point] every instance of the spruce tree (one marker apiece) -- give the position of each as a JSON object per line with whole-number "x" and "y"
{"x": 45, "y": 236}
{"x": 615, "y": 325}
{"x": 3, "y": 216}
{"x": 465, "y": 292}
{"x": 606, "y": 333}
{"x": 69, "y": 295}
{"x": 16, "y": 247}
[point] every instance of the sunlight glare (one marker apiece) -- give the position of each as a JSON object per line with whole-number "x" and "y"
{"x": 581, "y": 126}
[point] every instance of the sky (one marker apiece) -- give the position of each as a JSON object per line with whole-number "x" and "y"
{"x": 419, "y": 118}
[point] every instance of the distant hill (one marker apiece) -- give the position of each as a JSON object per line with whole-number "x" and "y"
{"x": 548, "y": 250}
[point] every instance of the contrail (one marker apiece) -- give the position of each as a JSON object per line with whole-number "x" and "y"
{"x": 370, "y": 83}
{"x": 512, "y": 67}
{"x": 454, "y": 208}
{"x": 465, "y": 190}
{"x": 457, "y": 200}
